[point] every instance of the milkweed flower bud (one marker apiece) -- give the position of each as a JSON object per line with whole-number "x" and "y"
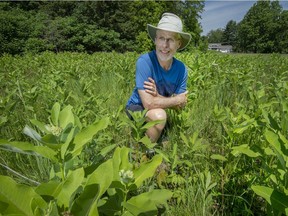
{"x": 126, "y": 176}
{"x": 55, "y": 130}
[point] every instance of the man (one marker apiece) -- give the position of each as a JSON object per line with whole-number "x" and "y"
{"x": 161, "y": 78}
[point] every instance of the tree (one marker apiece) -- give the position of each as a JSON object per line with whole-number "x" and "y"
{"x": 281, "y": 40}
{"x": 259, "y": 28}
{"x": 14, "y": 31}
{"x": 190, "y": 12}
{"x": 215, "y": 36}
{"x": 230, "y": 33}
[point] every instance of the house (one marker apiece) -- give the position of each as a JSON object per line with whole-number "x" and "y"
{"x": 221, "y": 47}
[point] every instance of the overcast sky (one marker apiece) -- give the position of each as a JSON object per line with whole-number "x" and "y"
{"x": 218, "y": 13}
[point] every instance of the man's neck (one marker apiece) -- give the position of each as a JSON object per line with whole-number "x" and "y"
{"x": 166, "y": 65}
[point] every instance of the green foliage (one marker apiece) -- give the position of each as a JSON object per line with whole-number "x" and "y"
{"x": 259, "y": 29}
{"x": 215, "y": 36}
{"x": 214, "y": 157}
{"x": 63, "y": 140}
{"x": 105, "y": 190}
{"x": 87, "y": 26}
{"x": 230, "y": 33}
{"x": 14, "y": 32}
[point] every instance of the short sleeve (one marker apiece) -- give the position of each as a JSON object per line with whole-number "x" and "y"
{"x": 143, "y": 71}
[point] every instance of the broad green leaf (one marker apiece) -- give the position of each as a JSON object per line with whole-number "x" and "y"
{"x": 269, "y": 151}
{"x": 97, "y": 183}
{"x": 146, "y": 170}
{"x": 84, "y": 203}
{"x": 273, "y": 122}
{"x": 66, "y": 116}
{"x": 124, "y": 162}
{"x": 147, "y": 202}
{"x": 69, "y": 186}
{"x": 116, "y": 163}
{"x": 28, "y": 148}
{"x": 86, "y": 135}
{"x": 102, "y": 176}
{"x": 93, "y": 210}
{"x": 273, "y": 178}
{"x": 51, "y": 188}
{"x": 244, "y": 149}
{"x": 274, "y": 141}
{"x": 278, "y": 201}
{"x": 62, "y": 191}
{"x": 67, "y": 134}
{"x": 51, "y": 141}
{"x": 55, "y": 113}
{"x": 112, "y": 205}
{"x": 285, "y": 141}
{"x": 40, "y": 125}
{"x": 67, "y": 137}
{"x": 121, "y": 161}
{"x": 20, "y": 198}
{"x": 218, "y": 157}
{"x": 3, "y": 206}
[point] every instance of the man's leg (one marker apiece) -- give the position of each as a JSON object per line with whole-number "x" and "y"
{"x": 156, "y": 114}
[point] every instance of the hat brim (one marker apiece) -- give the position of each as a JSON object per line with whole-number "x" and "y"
{"x": 185, "y": 37}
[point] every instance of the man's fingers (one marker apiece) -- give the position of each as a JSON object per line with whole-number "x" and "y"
{"x": 148, "y": 87}
{"x": 151, "y": 80}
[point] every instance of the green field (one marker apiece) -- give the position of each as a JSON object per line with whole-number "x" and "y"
{"x": 65, "y": 140}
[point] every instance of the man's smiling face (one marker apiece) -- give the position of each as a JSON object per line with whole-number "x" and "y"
{"x": 167, "y": 44}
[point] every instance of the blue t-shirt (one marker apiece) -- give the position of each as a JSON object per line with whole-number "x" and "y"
{"x": 173, "y": 81}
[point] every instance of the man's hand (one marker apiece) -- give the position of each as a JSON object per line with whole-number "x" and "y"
{"x": 182, "y": 100}
{"x": 150, "y": 87}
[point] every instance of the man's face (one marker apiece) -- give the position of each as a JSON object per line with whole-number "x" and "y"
{"x": 167, "y": 44}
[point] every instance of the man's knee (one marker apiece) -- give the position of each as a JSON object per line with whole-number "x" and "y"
{"x": 156, "y": 114}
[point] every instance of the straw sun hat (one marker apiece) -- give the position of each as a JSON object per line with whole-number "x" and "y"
{"x": 170, "y": 22}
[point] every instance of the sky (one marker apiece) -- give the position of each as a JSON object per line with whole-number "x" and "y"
{"x": 218, "y": 13}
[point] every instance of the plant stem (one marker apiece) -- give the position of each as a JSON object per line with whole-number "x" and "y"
{"x": 125, "y": 197}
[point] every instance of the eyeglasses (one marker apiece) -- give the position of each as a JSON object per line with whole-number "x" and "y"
{"x": 170, "y": 41}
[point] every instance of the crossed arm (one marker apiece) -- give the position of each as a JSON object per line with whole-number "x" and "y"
{"x": 152, "y": 100}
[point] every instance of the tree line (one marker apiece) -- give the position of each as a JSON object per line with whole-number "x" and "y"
{"x": 88, "y": 26}
{"x": 264, "y": 29}
{"x": 96, "y": 26}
